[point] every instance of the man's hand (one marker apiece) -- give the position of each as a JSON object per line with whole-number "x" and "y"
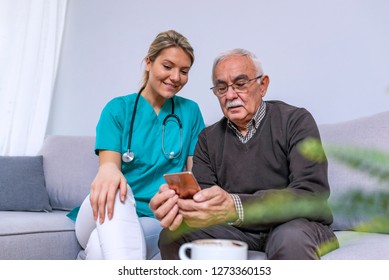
{"x": 209, "y": 207}
{"x": 165, "y": 208}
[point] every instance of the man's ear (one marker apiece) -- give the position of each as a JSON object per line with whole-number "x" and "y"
{"x": 264, "y": 85}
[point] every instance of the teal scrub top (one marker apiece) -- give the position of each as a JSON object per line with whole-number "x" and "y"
{"x": 145, "y": 173}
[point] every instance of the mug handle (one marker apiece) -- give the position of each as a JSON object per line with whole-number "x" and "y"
{"x": 182, "y": 252}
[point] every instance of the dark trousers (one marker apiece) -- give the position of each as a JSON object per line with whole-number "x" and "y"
{"x": 298, "y": 239}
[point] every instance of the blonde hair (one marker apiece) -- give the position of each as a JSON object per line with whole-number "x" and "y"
{"x": 164, "y": 40}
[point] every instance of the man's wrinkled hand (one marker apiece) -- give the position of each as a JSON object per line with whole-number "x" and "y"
{"x": 208, "y": 207}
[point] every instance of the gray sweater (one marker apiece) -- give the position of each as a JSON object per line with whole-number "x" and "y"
{"x": 273, "y": 180}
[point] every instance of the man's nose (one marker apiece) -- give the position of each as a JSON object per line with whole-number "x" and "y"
{"x": 231, "y": 94}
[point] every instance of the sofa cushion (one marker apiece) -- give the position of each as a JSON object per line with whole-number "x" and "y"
{"x": 22, "y": 184}
{"x": 352, "y": 246}
{"x": 370, "y": 132}
{"x": 360, "y": 246}
{"x": 37, "y": 235}
{"x": 70, "y": 165}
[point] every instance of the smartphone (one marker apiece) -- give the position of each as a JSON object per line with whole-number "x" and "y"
{"x": 183, "y": 183}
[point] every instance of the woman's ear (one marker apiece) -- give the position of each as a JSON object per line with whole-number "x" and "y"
{"x": 148, "y": 63}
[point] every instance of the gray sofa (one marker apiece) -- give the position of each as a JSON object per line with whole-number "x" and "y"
{"x": 69, "y": 165}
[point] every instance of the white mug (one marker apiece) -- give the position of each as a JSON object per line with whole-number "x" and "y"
{"x": 214, "y": 249}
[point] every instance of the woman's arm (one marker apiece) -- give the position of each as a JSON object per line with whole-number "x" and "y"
{"x": 103, "y": 188}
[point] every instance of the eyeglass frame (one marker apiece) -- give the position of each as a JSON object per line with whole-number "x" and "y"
{"x": 233, "y": 85}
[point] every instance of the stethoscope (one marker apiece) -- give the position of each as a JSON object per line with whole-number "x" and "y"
{"x": 129, "y": 155}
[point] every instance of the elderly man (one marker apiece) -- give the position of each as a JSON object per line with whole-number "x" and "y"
{"x": 257, "y": 186}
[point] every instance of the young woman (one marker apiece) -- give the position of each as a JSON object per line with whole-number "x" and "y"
{"x": 140, "y": 137}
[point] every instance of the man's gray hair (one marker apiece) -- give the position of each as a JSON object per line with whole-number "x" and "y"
{"x": 242, "y": 52}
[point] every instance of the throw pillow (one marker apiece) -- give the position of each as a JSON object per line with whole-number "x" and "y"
{"x": 22, "y": 184}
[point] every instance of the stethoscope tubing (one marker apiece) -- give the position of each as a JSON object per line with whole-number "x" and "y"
{"x": 128, "y": 156}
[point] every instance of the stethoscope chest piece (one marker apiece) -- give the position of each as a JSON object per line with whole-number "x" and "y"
{"x": 128, "y": 156}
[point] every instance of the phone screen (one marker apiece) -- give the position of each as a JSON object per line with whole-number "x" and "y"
{"x": 183, "y": 183}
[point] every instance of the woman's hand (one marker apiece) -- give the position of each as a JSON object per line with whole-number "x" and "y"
{"x": 105, "y": 185}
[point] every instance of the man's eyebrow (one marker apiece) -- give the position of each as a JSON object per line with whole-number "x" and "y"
{"x": 239, "y": 77}
{"x": 220, "y": 82}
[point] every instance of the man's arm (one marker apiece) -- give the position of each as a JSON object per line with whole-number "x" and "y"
{"x": 308, "y": 190}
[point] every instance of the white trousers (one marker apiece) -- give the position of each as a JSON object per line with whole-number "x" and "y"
{"x": 124, "y": 237}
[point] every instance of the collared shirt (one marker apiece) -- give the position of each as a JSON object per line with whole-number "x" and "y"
{"x": 252, "y": 127}
{"x": 239, "y": 210}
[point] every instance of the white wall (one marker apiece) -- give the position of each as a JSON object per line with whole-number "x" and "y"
{"x": 329, "y": 56}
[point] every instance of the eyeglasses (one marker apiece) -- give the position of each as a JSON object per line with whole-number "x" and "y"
{"x": 239, "y": 86}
